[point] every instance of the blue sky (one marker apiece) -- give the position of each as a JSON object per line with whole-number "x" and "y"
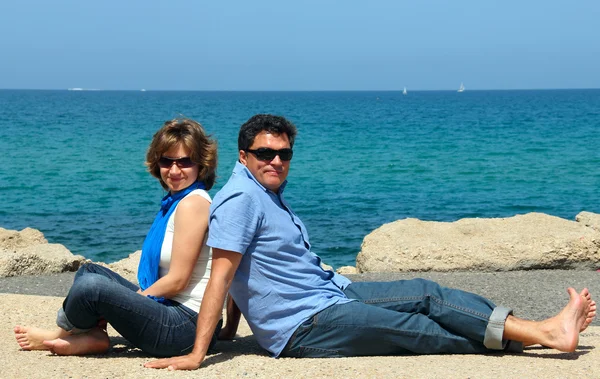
{"x": 300, "y": 45}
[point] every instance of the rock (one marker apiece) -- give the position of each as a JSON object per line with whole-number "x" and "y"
{"x": 347, "y": 270}
{"x": 522, "y": 242}
{"x": 589, "y": 219}
{"x": 127, "y": 267}
{"x": 28, "y": 253}
{"x": 13, "y": 240}
{"x": 326, "y": 267}
{"x": 38, "y": 259}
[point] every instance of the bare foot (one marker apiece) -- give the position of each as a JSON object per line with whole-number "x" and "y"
{"x": 592, "y": 312}
{"x": 30, "y": 338}
{"x": 95, "y": 341}
{"x": 561, "y": 332}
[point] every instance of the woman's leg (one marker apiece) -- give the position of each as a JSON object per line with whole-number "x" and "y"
{"x": 158, "y": 329}
{"x": 100, "y": 294}
{"x": 32, "y": 338}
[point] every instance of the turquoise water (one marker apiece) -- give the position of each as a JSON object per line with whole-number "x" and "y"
{"x": 72, "y": 162}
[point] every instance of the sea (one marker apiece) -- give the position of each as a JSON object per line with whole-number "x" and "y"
{"x": 72, "y": 162}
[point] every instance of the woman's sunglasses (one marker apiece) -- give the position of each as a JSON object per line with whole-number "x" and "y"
{"x": 267, "y": 154}
{"x": 183, "y": 162}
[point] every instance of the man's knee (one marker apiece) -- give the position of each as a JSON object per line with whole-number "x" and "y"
{"x": 428, "y": 287}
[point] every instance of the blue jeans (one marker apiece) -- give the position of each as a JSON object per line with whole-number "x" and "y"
{"x": 157, "y": 329}
{"x": 404, "y": 317}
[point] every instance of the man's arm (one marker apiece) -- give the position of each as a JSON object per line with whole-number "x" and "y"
{"x": 224, "y": 265}
{"x": 233, "y": 320}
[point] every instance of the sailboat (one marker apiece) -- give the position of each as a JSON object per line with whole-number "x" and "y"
{"x": 461, "y": 88}
{"x": 404, "y": 92}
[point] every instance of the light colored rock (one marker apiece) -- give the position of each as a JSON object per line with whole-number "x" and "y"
{"x": 38, "y": 259}
{"x": 326, "y": 267}
{"x": 347, "y": 270}
{"x": 28, "y": 253}
{"x": 127, "y": 267}
{"x": 13, "y": 240}
{"x": 522, "y": 242}
{"x": 589, "y": 219}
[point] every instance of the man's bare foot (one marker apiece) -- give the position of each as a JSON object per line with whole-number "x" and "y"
{"x": 561, "y": 332}
{"x": 30, "y": 338}
{"x": 592, "y": 312}
{"x": 95, "y": 341}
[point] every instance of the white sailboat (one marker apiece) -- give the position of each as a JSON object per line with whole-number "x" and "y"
{"x": 404, "y": 92}
{"x": 461, "y": 88}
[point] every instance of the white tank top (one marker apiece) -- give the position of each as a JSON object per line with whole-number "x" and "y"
{"x": 192, "y": 295}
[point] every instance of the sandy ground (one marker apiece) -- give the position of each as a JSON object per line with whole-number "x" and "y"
{"x": 243, "y": 358}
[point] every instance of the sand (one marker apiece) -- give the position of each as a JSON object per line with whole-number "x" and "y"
{"x": 243, "y": 358}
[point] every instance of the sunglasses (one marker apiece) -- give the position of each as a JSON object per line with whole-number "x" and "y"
{"x": 267, "y": 154}
{"x": 183, "y": 162}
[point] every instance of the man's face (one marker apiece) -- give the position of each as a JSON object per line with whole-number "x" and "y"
{"x": 270, "y": 173}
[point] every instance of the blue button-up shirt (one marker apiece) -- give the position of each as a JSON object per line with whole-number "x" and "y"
{"x": 279, "y": 283}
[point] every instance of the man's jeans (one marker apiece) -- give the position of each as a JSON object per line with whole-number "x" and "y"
{"x": 158, "y": 329}
{"x": 404, "y": 317}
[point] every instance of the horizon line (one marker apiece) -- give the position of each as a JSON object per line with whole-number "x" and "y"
{"x": 79, "y": 89}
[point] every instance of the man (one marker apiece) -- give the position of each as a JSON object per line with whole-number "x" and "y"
{"x": 262, "y": 256}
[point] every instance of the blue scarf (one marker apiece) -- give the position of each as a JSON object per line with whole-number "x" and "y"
{"x": 148, "y": 268}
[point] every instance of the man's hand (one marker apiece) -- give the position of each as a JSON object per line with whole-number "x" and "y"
{"x": 185, "y": 362}
{"x": 224, "y": 264}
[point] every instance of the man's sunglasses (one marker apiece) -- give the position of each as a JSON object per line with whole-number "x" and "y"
{"x": 267, "y": 154}
{"x": 183, "y": 162}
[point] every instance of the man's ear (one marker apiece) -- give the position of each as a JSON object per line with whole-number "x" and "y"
{"x": 243, "y": 158}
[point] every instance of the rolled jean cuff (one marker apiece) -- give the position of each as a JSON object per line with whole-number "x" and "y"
{"x": 63, "y": 322}
{"x": 495, "y": 330}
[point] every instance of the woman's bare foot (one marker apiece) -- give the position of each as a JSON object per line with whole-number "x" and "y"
{"x": 30, "y": 338}
{"x": 561, "y": 332}
{"x": 95, "y": 341}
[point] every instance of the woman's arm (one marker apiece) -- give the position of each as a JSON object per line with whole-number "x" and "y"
{"x": 191, "y": 225}
{"x": 233, "y": 320}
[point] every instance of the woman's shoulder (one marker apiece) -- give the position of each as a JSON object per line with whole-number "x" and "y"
{"x": 196, "y": 201}
{"x": 199, "y": 192}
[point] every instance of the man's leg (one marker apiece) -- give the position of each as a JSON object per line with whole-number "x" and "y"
{"x": 438, "y": 320}
{"x": 463, "y": 313}
{"x": 560, "y": 332}
{"x": 357, "y": 329}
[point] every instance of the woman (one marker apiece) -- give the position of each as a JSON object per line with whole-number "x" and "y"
{"x": 160, "y": 317}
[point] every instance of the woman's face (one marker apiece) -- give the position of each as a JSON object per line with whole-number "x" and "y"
{"x": 178, "y": 175}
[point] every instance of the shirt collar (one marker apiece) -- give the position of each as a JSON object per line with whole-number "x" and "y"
{"x": 240, "y": 169}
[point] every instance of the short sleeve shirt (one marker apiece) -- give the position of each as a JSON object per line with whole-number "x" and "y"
{"x": 279, "y": 283}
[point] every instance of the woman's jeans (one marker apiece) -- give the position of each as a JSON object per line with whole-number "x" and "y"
{"x": 158, "y": 329}
{"x": 404, "y": 317}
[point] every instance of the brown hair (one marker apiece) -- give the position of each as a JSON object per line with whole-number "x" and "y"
{"x": 191, "y": 135}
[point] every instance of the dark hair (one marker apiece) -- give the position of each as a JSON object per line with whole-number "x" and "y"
{"x": 264, "y": 122}
{"x": 191, "y": 135}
